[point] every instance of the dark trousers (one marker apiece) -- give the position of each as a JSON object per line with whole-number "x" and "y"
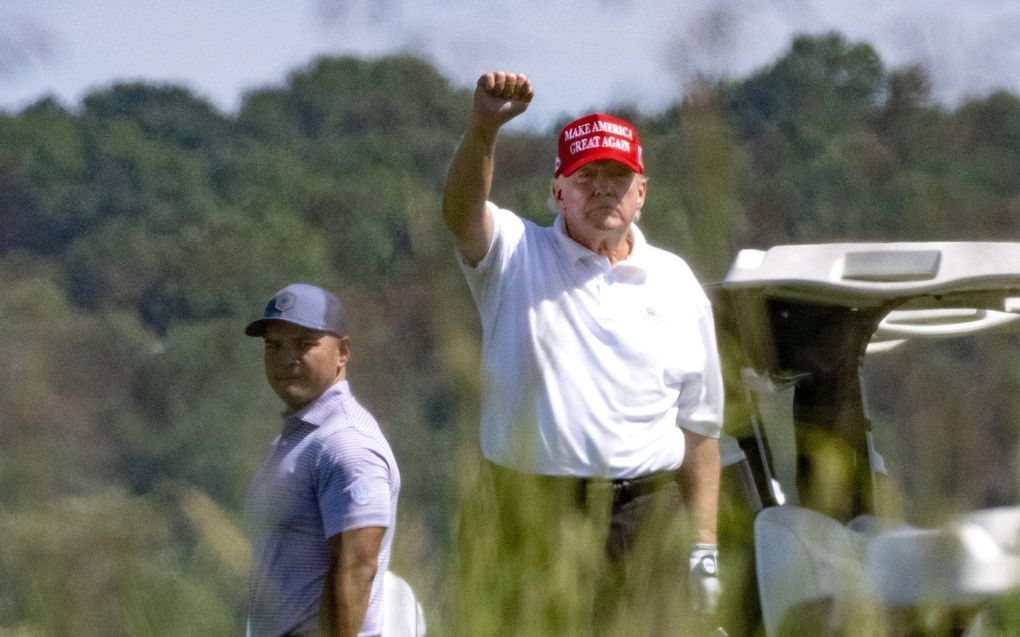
{"x": 570, "y": 556}
{"x": 632, "y": 504}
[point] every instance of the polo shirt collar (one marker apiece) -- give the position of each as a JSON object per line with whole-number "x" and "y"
{"x": 576, "y": 252}
{"x": 318, "y": 411}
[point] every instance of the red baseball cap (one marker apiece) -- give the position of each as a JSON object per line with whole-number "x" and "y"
{"x": 595, "y": 137}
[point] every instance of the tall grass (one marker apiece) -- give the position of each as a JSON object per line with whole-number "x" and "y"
{"x": 530, "y": 560}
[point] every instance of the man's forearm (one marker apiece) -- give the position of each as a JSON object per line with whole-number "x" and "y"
{"x": 700, "y": 477}
{"x": 468, "y": 183}
{"x": 352, "y": 592}
{"x": 498, "y": 98}
{"x": 354, "y": 561}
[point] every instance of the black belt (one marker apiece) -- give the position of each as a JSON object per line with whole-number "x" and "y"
{"x": 625, "y": 489}
{"x": 293, "y": 634}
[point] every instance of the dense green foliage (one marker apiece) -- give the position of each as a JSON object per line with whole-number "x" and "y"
{"x": 141, "y": 230}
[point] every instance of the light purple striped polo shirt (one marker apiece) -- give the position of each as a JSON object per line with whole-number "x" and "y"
{"x": 330, "y": 470}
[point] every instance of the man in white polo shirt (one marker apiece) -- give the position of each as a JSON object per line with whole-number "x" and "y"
{"x": 601, "y": 371}
{"x": 322, "y": 507}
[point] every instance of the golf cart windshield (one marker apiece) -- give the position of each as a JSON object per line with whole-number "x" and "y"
{"x": 877, "y": 378}
{"x": 942, "y": 393}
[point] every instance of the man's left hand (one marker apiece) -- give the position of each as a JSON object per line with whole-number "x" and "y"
{"x": 703, "y": 578}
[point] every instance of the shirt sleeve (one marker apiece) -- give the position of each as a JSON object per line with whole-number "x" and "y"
{"x": 701, "y": 402}
{"x": 485, "y": 279}
{"x": 353, "y": 483}
{"x": 487, "y": 260}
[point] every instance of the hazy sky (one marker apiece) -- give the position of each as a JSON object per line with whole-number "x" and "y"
{"x": 581, "y": 54}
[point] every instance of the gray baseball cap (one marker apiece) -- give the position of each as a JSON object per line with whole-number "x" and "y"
{"x": 301, "y": 304}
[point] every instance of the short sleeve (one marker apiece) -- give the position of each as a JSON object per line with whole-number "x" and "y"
{"x": 701, "y": 400}
{"x": 485, "y": 279}
{"x": 353, "y": 483}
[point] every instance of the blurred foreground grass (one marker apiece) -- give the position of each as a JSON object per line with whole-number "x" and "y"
{"x": 114, "y": 564}
{"x": 174, "y": 563}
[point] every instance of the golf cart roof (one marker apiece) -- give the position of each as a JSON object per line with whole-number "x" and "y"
{"x": 870, "y": 274}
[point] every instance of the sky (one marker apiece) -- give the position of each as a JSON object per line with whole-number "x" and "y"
{"x": 581, "y": 55}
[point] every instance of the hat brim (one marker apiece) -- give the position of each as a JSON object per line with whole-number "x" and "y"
{"x": 258, "y": 327}
{"x": 601, "y": 155}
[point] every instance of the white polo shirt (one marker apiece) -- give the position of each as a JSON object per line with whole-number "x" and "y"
{"x": 590, "y": 369}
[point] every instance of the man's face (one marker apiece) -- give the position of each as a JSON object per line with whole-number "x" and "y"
{"x": 302, "y": 363}
{"x": 599, "y": 197}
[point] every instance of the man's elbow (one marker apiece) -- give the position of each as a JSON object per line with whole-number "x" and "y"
{"x": 460, "y": 213}
{"x": 455, "y": 220}
{"x": 471, "y": 232}
{"x": 365, "y": 570}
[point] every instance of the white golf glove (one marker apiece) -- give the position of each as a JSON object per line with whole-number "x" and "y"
{"x": 703, "y": 579}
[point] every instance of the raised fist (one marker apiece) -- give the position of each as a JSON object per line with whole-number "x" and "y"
{"x": 500, "y": 97}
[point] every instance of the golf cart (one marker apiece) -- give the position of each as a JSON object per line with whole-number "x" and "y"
{"x": 870, "y": 482}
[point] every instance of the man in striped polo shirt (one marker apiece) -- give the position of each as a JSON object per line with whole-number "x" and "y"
{"x": 322, "y": 506}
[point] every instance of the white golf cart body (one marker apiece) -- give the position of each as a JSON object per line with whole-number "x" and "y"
{"x": 838, "y": 536}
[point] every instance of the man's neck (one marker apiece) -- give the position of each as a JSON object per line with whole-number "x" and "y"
{"x": 620, "y": 251}
{"x": 615, "y": 245}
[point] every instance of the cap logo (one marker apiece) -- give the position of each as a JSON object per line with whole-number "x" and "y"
{"x": 598, "y": 126}
{"x": 285, "y": 301}
{"x": 301, "y": 304}
{"x": 598, "y": 137}
{"x": 589, "y": 139}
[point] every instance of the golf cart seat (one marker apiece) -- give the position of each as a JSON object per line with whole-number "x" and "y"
{"x": 814, "y": 572}
{"x": 803, "y": 556}
{"x": 965, "y": 563}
